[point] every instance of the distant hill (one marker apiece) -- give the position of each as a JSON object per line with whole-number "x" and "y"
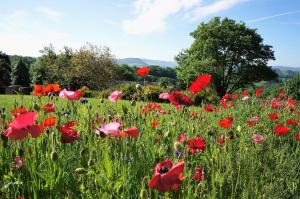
{"x": 145, "y": 62}
{"x": 284, "y": 71}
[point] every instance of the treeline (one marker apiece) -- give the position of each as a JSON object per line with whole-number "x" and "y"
{"x": 90, "y": 66}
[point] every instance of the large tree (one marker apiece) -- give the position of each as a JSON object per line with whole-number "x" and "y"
{"x": 232, "y": 53}
{"x": 5, "y": 69}
{"x": 20, "y": 74}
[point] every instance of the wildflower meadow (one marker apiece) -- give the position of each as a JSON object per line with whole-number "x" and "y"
{"x": 55, "y": 143}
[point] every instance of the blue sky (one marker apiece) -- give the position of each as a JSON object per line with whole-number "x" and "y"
{"x": 154, "y": 29}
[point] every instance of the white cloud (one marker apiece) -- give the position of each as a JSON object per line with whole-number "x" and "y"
{"x": 48, "y": 12}
{"x": 213, "y": 8}
{"x": 272, "y": 16}
{"x": 152, "y": 15}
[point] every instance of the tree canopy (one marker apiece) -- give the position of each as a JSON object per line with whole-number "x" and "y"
{"x": 5, "y": 69}
{"x": 232, "y": 53}
{"x": 20, "y": 74}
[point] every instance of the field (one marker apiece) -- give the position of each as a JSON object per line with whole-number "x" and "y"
{"x": 231, "y": 164}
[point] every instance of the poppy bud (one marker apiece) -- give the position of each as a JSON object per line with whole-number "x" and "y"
{"x": 133, "y": 103}
{"x": 36, "y": 107}
{"x": 80, "y": 170}
{"x": 143, "y": 194}
{"x": 54, "y": 156}
{"x": 101, "y": 100}
{"x": 138, "y": 86}
{"x": 91, "y": 162}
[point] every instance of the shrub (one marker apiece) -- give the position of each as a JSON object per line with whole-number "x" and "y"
{"x": 293, "y": 87}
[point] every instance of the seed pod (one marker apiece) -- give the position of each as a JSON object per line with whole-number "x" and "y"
{"x": 133, "y": 103}
{"x": 80, "y": 170}
{"x": 101, "y": 100}
{"x": 143, "y": 194}
{"x": 83, "y": 152}
{"x": 54, "y": 156}
{"x": 91, "y": 162}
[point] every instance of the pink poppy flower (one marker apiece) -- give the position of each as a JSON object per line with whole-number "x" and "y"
{"x": 257, "y": 139}
{"x": 182, "y": 137}
{"x": 22, "y": 125}
{"x": 115, "y": 96}
{"x": 164, "y": 96}
{"x": 70, "y": 95}
{"x": 254, "y": 119}
{"x": 18, "y": 162}
{"x": 111, "y": 128}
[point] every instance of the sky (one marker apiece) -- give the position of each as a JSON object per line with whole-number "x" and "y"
{"x": 153, "y": 29}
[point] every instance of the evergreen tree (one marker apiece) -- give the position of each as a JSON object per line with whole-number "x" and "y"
{"x": 20, "y": 74}
{"x": 5, "y": 69}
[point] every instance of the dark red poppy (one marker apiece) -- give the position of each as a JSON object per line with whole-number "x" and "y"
{"x": 38, "y": 90}
{"x": 200, "y": 83}
{"x": 69, "y": 134}
{"x": 49, "y": 122}
{"x": 245, "y": 93}
{"x": 144, "y": 71}
{"x": 132, "y": 132}
{"x": 49, "y": 107}
{"x": 297, "y": 137}
{"x": 281, "y": 130}
{"x": 259, "y": 91}
{"x": 226, "y": 123}
{"x": 167, "y": 176}
{"x": 208, "y": 108}
{"x": 273, "y": 116}
{"x": 199, "y": 174}
{"x": 177, "y": 98}
{"x": 226, "y": 97}
{"x": 235, "y": 96}
{"x": 292, "y": 122}
{"x": 220, "y": 141}
{"x": 196, "y": 145}
{"x": 250, "y": 123}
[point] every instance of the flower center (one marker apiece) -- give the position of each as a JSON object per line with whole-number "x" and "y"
{"x": 164, "y": 169}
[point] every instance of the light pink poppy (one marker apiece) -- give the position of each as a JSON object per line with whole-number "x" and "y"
{"x": 70, "y": 95}
{"x": 22, "y": 125}
{"x": 182, "y": 137}
{"x": 18, "y": 162}
{"x": 111, "y": 128}
{"x": 115, "y": 96}
{"x": 257, "y": 139}
{"x": 254, "y": 119}
{"x": 164, "y": 96}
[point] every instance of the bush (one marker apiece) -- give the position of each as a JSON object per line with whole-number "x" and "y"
{"x": 293, "y": 87}
{"x": 87, "y": 92}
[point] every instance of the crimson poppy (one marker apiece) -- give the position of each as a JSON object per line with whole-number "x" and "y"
{"x": 226, "y": 123}
{"x": 69, "y": 134}
{"x": 273, "y": 116}
{"x": 297, "y": 137}
{"x": 196, "y": 145}
{"x": 49, "y": 107}
{"x": 200, "y": 83}
{"x": 182, "y": 137}
{"x": 208, "y": 108}
{"x": 235, "y": 96}
{"x": 22, "y": 125}
{"x": 18, "y": 111}
{"x": 167, "y": 176}
{"x": 132, "y": 132}
{"x": 177, "y": 98}
{"x": 220, "y": 141}
{"x": 259, "y": 91}
{"x": 281, "y": 130}
{"x": 199, "y": 174}
{"x": 292, "y": 122}
{"x": 144, "y": 71}
{"x": 245, "y": 93}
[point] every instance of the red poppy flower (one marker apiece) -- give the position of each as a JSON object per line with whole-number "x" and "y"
{"x": 259, "y": 91}
{"x": 154, "y": 124}
{"x": 199, "y": 174}
{"x": 220, "y": 141}
{"x": 292, "y": 122}
{"x": 49, "y": 122}
{"x": 144, "y": 71}
{"x": 194, "y": 114}
{"x": 18, "y": 111}
{"x": 273, "y": 116}
{"x": 49, "y": 107}
{"x": 245, "y": 93}
{"x": 22, "y": 125}
{"x": 177, "y": 98}
{"x": 167, "y": 176}
{"x": 297, "y": 137}
{"x": 235, "y": 96}
{"x": 226, "y": 123}
{"x": 208, "y": 108}
{"x": 250, "y": 123}
{"x": 200, "y": 83}
{"x": 182, "y": 137}
{"x": 69, "y": 134}
{"x": 196, "y": 145}
{"x": 230, "y": 104}
{"x": 132, "y": 132}
{"x": 38, "y": 90}
{"x": 281, "y": 130}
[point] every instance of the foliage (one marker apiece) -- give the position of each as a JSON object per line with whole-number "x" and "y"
{"x": 232, "y": 53}
{"x": 20, "y": 74}
{"x": 293, "y": 86}
{"x": 5, "y": 69}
